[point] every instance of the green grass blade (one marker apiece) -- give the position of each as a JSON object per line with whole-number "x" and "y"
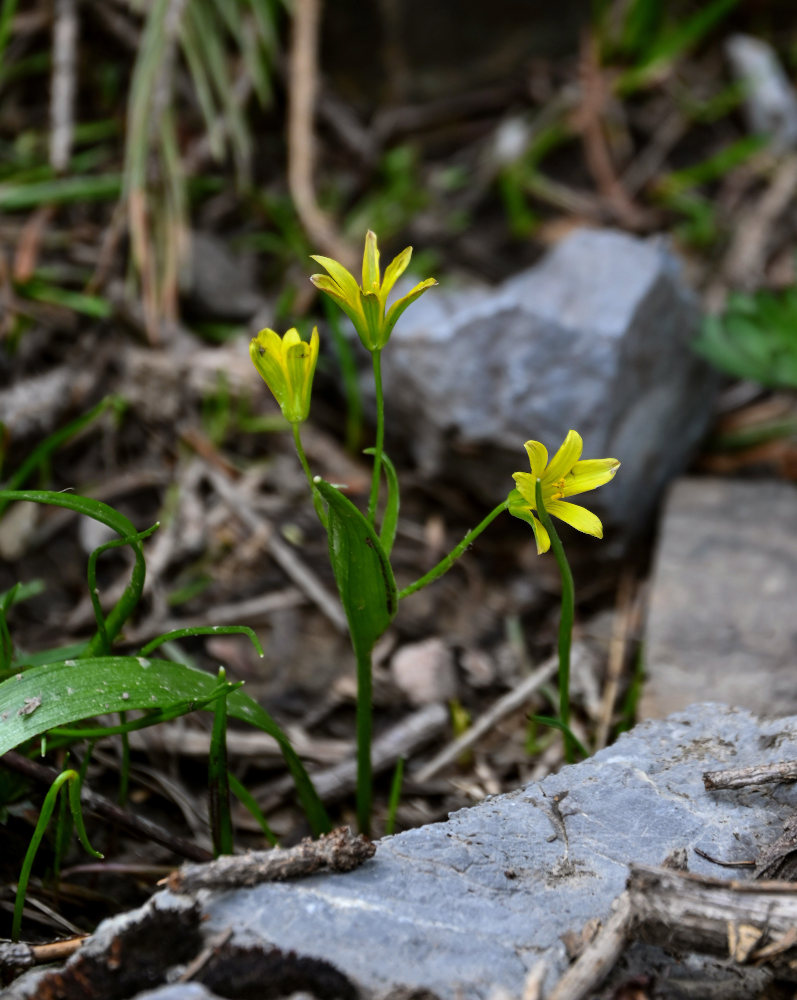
{"x": 395, "y": 797}
{"x": 30, "y": 855}
{"x": 15, "y": 197}
{"x": 106, "y": 515}
{"x": 42, "y": 452}
{"x": 42, "y": 291}
{"x": 218, "y": 777}
{"x": 184, "y": 633}
{"x": 248, "y": 800}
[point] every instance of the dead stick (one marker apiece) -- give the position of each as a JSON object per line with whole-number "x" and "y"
{"x": 339, "y": 851}
{"x": 104, "y": 808}
{"x": 758, "y": 774}
{"x": 598, "y": 958}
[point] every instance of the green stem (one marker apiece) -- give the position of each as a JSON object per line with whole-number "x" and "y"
{"x": 364, "y": 727}
{"x": 448, "y": 561}
{"x": 565, "y": 622}
{"x": 379, "y": 446}
{"x": 319, "y": 506}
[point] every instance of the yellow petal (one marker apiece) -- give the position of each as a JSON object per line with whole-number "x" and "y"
{"x": 267, "y": 358}
{"x": 589, "y": 475}
{"x": 538, "y": 459}
{"x": 541, "y": 536}
{"x": 371, "y": 276}
{"x": 526, "y": 485}
{"x": 567, "y": 456}
{"x": 401, "y": 304}
{"x": 347, "y": 286}
{"x": 577, "y": 517}
{"x": 291, "y": 337}
{"x": 393, "y": 272}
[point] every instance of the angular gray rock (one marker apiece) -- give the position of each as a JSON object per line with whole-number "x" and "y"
{"x": 721, "y": 612}
{"x": 596, "y": 337}
{"x": 465, "y": 906}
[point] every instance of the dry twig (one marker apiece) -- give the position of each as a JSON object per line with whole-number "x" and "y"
{"x": 339, "y": 851}
{"x": 302, "y": 85}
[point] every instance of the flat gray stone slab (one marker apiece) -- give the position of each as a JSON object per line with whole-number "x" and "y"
{"x": 465, "y": 906}
{"x": 721, "y": 620}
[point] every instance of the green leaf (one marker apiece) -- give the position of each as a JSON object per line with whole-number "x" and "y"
{"x": 123, "y": 526}
{"x": 60, "y": 693}
{"x": 362, "y": 571}
{"x": 387, "y": 533}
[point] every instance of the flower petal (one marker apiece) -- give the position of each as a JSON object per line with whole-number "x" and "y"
{"x": 538, "y": 459}
{"x": 401, "y": 304}
{"x": 265, "y": 351}
{"x": 393, "y": 272}
{"x": 526, "y": 486}
{"x": 371, "y": 276}
{"x": 589, "y": 475}
{"x": 567, "y": 456}
{"x": 353, "y": 310}
{"x": 347, "y": 286}
{"x": 518, "y": 508}
{"x": 577, "y": 517}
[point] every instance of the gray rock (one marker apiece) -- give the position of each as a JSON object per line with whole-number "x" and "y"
{"x": 596, "y": 337}
{"x": 721, "y": 613}
{"x": 465, "y": 906}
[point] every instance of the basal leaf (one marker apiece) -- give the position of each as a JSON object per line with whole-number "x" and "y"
{"x": 67, "y": 691}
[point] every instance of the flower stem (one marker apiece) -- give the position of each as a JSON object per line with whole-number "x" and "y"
{"x": 448, "y": 561}
{"x": 364, "y": 727}
{"x": 565, "y": 623}
{"x": 319, "y": 506}
{"x": 376, "y": 357}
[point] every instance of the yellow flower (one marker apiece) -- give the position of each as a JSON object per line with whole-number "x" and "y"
{"x": 564, "y": 476}
{"x": 287, "y": 365}
{"x": 365, "y": 304}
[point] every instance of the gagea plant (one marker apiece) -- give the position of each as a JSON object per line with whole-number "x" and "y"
{"x": 359, "y": 546}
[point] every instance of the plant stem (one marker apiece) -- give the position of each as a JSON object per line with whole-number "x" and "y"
{"x": 376, "y": 357}
{"x": 565, "y": 622}
{"x": 448, "y": 561}
{"x": 297, "y": 440}
{"x": 364, "y": 727}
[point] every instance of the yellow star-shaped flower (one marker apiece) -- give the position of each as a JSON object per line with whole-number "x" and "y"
{"x": 366, "y": 304}
{"x": 564, "y": 476}
{"x": 287, "y": 365}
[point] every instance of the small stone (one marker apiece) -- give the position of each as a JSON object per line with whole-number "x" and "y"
{"x": 424, "y": 672}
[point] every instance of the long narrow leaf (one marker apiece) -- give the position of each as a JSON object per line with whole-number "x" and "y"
{"x": 57, "y": 694}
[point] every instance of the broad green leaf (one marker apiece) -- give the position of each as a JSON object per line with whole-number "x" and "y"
{"x": 57, "y": 694}
{"x": 387, "y": 533}
{"x": 362, "y": 571}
